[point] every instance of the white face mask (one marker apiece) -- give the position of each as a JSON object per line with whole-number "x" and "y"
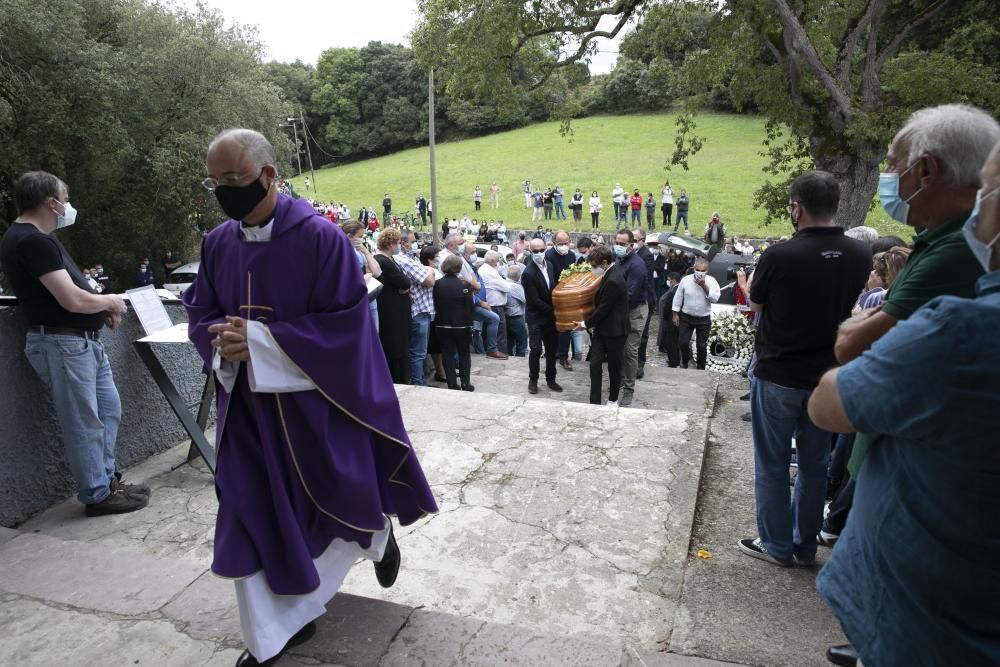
{"x": 67, "y": 218}
{"x": 562, "y": 249}
{"x": 982, "y": 251}
{"x": 598, "y": 270}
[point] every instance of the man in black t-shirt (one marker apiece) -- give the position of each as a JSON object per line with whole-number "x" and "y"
{"x": 803, "y": 289}
{"x": 64, "y": 317}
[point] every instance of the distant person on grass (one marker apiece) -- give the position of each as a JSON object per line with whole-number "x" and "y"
{"x": 682, "y": 212}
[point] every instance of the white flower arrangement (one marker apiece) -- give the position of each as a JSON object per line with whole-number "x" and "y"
{"x": 730, "y": 344}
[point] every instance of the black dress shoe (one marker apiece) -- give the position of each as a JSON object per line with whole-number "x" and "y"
{"x": 639, "y": 373}
{"x": 468, "y": 387}
{"x": 745, "y": 397}
{"x": 554, "y": 386}
{"x": 246, "y": 659}
{"x": 387, "y": 568}
{"x": 440, "y": 378}
{"x": 746, "y": 417}
{"x": 454, "y": 386}
{"x": 532, "y": 386}
{"x": 842, "y": 655}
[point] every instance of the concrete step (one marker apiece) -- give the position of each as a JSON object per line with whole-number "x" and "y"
{"x": 573, "y": 520}
{"x": 80, "y": 603}
{"x": 661, "y": 388}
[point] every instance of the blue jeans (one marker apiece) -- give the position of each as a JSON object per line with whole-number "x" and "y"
{"x": 787, "y": 525}
{"x": 87, "y": 405}
{"x": 681, "y": 215}
{"x": 560, "y": 211}
{"x": 420, "y": 331}
{"x": 636, "y": 215}
{"x": 491, "y": 323}
{"x": 517, "y": 336}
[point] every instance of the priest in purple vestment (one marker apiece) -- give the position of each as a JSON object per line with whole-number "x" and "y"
{"x": 312, "y": 453}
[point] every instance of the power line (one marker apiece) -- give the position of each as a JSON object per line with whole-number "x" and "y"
{"x": 318, "y": 147}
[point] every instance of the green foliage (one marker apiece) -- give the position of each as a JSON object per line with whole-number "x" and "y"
{"x": 120, "y": 99}
{"x": 723, "y": 175}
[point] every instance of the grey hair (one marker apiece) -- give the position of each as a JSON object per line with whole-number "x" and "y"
{"x": 454, "y": 237}
{"x": 866, "y": 234}
{"x": 493, "y": 256}
{"x": 514, "y": 272}
{"x": 256, "y": 145}
{"x": 959, "y": 135}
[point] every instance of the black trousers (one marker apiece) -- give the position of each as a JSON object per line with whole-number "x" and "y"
{"x": 688, "y": 326}
{"x": 666, "y": 340}
{"x": 542, "y": 335}
{"x": 651, "y": 218}
{"x": 478, "y": 204}
{"x": 594, "y": 219}
{"x": 644, "y": 339}
{"x": 667, "y": 210}
{"x": 614, "y": 348}
{"x": 455, "y": 343}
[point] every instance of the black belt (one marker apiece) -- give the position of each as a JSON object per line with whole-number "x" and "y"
{"x": 66, "y": 331}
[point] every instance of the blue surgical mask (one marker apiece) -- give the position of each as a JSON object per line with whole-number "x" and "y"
{"x": 982, "y": 251}
{"x": 67, "y": 218}
{"x": 888, "y": 193}
{"x": 538, "y": 257}
{"x": 620, "y": 250}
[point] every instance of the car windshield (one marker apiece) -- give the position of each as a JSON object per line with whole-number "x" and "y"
{"x": 181, "y": 278}
{"x": 696, "y": 246}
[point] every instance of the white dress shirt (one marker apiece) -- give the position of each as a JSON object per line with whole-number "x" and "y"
{"x": 691, "y": 298}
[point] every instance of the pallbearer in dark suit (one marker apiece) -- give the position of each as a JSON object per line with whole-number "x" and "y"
{"x": 609, "y": 325}
{"x": 540, "y": 316}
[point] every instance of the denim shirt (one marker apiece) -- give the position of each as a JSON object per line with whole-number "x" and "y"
{"x": 915, "y": 577}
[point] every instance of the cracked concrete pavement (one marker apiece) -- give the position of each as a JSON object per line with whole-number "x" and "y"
{"x": 564, "y": 538}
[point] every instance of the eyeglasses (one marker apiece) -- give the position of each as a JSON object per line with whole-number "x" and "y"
{"x": 228, "y": 181}
{"x": 791, "y": 205}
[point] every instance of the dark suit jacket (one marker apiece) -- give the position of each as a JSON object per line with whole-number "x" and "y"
{"x": 555, "y": 263}
{"x": 452, "y": 302}
{"x": 611, "y": 316}
{"x": 647, "y": 258}
{"x": 537, "y": 296}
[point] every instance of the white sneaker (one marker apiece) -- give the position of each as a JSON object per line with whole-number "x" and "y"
{"x": 612, "y": 404}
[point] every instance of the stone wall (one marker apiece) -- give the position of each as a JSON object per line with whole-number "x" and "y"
{"x": 33, "y": 469}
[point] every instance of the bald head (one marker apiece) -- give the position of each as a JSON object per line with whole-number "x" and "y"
{"x": 251, "y": 144}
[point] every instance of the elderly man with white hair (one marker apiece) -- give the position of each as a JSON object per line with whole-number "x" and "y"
{"x": 915, "y": 577}
{"x": 931, "y": 183}
{"x": 497, "y": 289}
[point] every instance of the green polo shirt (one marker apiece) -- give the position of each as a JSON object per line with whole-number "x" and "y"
{"x": 941, "y": 264}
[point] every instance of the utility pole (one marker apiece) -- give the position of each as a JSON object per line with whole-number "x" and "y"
{"x": 430, "y": 136}
{"x": 298, "y": 151}
{"x": 305, "y": 132}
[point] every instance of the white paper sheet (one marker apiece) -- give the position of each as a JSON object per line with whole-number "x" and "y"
{"x": 177, "y": 333}
{"x": 147, "y": 305}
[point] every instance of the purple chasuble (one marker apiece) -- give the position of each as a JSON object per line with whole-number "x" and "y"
{"x": 297, "y": 470}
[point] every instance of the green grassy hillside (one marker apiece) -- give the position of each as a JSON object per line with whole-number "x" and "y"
{"x": 604, "y": 150}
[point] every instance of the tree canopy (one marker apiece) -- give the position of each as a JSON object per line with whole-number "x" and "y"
{"x": 120, "y": 99}
{"x": 835, "y": 79}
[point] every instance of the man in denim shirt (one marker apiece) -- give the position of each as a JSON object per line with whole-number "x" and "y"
{"x": 915, "y": 577}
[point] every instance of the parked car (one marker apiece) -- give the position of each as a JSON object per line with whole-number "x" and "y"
{"x": 181, "y": 278}
{"x": 721, "y": 266}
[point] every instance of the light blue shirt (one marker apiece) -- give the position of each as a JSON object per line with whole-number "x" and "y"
{"x": 915, "y": 577}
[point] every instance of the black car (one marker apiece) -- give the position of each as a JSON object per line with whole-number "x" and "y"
{"x": 721, "y": 266}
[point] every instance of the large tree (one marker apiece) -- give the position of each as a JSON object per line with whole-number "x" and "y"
{"x": 120, "y": 99}
{"x": 834, "y": 77}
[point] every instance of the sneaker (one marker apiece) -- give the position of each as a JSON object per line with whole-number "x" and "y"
{"x": 755, "y": 549}
{"x": 119, "y": 501}
{"x": 611, "y": 404}
{"x": 137, "y": 489}
{"x": 625, "y": 399}
{"x": 825, "y": 539}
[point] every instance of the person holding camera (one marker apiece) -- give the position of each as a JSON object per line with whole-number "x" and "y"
{"x": 693, "y": 311}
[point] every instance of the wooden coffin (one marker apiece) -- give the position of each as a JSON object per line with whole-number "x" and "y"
{"x": 573, "y": 299}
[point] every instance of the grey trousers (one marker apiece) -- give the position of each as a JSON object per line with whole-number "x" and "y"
{"x": 636, "y": 323}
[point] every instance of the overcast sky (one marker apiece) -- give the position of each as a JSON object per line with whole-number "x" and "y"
{"x": 302, "y": 30}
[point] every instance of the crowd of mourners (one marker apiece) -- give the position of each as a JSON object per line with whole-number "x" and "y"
{"x": 873, "y": 375}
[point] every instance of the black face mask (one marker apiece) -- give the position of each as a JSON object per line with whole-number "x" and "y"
{"x": 238, "y": 201}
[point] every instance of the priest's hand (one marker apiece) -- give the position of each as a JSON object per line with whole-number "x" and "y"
{"x": 231, "y": 339}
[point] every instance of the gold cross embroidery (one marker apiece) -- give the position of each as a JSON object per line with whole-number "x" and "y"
{"x": 250, "y": 306}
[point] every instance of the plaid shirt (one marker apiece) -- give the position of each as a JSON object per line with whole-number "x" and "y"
{"x": 421, "y": 298}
